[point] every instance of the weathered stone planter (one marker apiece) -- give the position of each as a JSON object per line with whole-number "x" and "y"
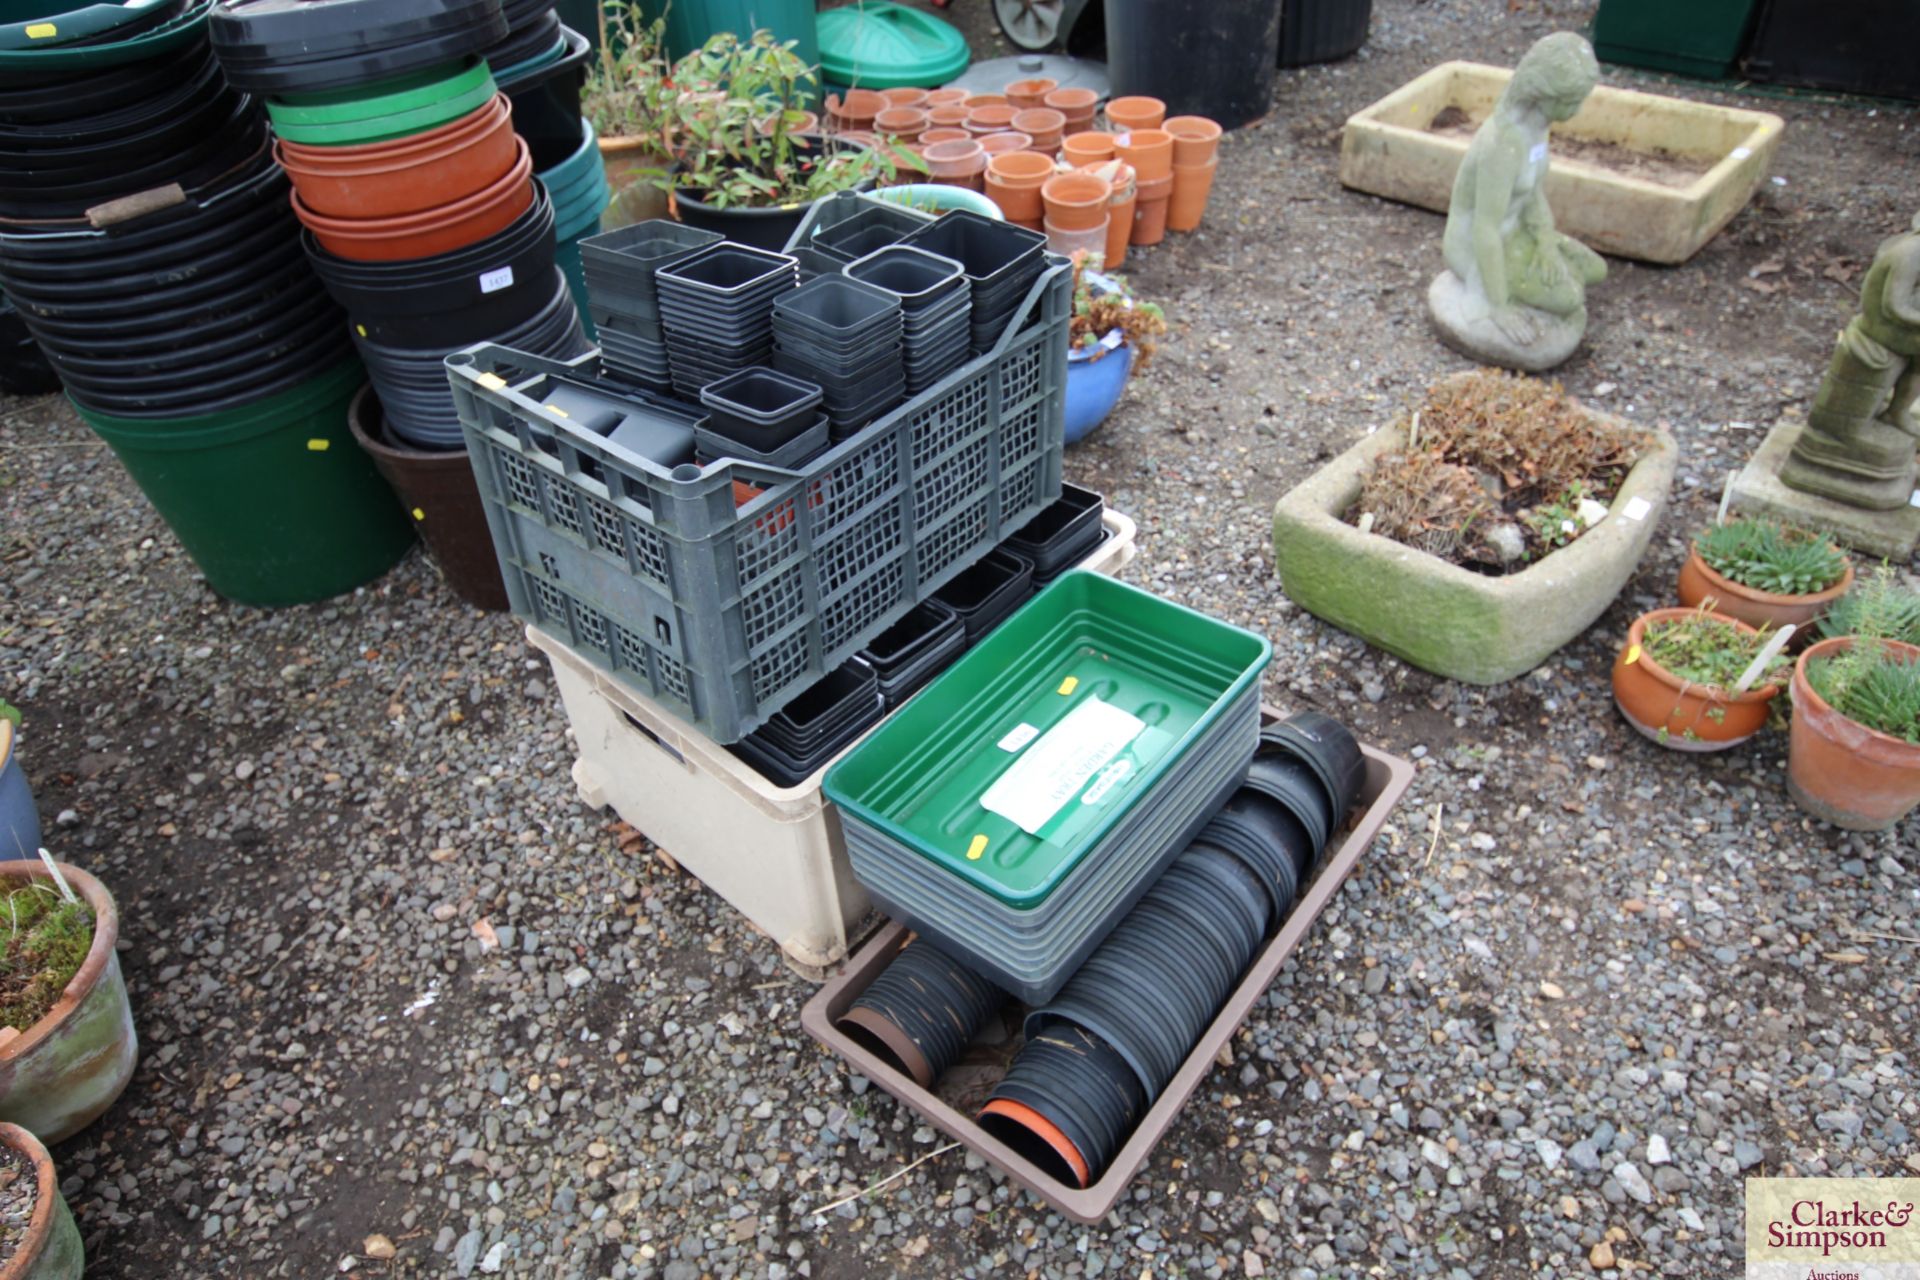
{"x": 50, "y": 1247}
{"x": 1390, "y": 149}
{"x": 1442, "y": 618}
{"x": 63, "y": 1071}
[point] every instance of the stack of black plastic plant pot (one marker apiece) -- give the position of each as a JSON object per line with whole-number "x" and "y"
{"x": 846, "y": 336}
{"x": 915, "y": 649}
{"x": 987, "y": 592}
{"x": 935, "y": 303}
{"x": 24, "y": 370}
{"x": 716, "y": 305}
{"x": 1062, "y": 535}
{"x": 764, "y": 416}
{"x": 620, "y": 266}
{"x": 1147, "y": 993}
{"x": 147, "y": 243}
{"x": 816, "y": 726}
{"x": 923, "y": 1010}
{"x": 874, "y": 225}
{"x": 1001, "y": 261}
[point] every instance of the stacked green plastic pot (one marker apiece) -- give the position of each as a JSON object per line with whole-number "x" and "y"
{"x": 187, "y": 326}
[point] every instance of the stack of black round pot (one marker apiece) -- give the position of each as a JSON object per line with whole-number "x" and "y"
{"x": 310, "y": 46}
{"x": 136, "y": 106}
{"x": 922, "y": 1011}
{"x": 1148, "y": 993}
{"x": 24, "y": 370}
{"x": 533, "y": 31}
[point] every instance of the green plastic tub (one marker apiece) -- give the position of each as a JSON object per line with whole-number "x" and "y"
{"x": 1007, "y": 770}
{"x": 273, "y": 501}
{"x": 1698, "y": 38}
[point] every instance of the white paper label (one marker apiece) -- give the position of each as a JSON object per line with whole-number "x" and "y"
{"x": 1018, "y": 736}
{"x": 1110, "y": 777}
{"x": 1636, "y": 509}
{"x": 1914, "y": 501}
{"x": 1741, "y": 153}
{"x": 496, "y": 280}
{"x": 1054, "y": 769}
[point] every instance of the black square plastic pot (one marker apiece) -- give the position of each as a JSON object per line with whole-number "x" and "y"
{"x": 760, "y": 407}
{"x": 991, "y": 252}
{"x": 985, "y": 593}
{"x": 808, "y": 444}
{"x": 916, "y": 277}
{"x": 628, "y": 258}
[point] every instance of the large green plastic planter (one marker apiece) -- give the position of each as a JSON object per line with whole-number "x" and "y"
{"x": 1698, "y": 38}
{"x": 273, "y": 501}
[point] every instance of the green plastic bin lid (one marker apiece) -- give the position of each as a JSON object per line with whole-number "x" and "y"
{"x": 881, "y": 45}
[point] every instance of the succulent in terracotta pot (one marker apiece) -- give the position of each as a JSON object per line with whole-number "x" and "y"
{"x": 1853, "y": 755}
{"x": 1764, "y": 573}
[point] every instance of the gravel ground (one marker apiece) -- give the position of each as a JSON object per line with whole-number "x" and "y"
{"x": 1581, "y": 988}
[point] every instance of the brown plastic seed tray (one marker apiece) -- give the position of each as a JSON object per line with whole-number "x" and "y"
{"x": 1387, "y": 779}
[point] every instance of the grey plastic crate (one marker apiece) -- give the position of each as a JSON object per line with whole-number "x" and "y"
{"x": 721, "y": 609}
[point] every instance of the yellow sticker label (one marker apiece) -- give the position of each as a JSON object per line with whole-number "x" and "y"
{"x": 41, "y": 30}
{"x": 319, "y": 446}
{"x": 491, "y": 381}
{"x": 1068, "y": 685}
{"x": 976, "y": 849}
{"x": 418, "y": 514}
{"x": 1633, "y": 654}
{"x": 556, "y": 411}
{"x": 362, "y": 328}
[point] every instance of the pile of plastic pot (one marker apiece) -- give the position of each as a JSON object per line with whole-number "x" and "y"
{"x": 422, "y": 212}
{"x": 150, "y": 250}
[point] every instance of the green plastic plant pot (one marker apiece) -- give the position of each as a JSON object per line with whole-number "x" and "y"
{"x": 69, "y": 59}
{"x": 402, "y": 93}
{"x": 475, "y": 88}
{"x": 273, "y": 501}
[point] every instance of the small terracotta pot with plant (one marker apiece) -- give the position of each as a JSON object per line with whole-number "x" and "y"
{"x": 1853, "y": 755}
{"x": 38, "y": 1237}
{"x": 1764, "y": 573}
{"x": 1687, "y": 679}
{"x": 67, "y": 1044}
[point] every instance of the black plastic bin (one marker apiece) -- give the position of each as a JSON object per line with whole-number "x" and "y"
{"x": 1213, "y": 60}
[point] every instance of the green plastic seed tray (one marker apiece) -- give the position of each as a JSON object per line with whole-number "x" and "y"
{"x": 1014, "y": 765}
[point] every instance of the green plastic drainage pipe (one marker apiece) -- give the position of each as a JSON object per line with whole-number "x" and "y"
{"x": 273, "y": 501}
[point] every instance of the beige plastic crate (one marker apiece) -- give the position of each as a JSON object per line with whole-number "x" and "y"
{"x": 774, "y": 852}
{"x": 1387, "y": 150}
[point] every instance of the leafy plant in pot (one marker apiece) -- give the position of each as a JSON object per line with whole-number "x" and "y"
{"x": 1878, "y": 606}
{"x": 632, "y": 102}
{"x": 1764, "y": 573}
{"x": 67, "y": 1044}
{"x": 1695, "y": 680}
{"x": 1110, "y": 335}
{"x": 740, "y": 168}
{"x": 1853, "y": 755}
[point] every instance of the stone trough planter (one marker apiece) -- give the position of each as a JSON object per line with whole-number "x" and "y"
{"x": 1636, "y": 175}
{"x": 1442, "y": 618}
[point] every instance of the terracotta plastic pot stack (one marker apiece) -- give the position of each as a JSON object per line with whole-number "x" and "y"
{"x": 1044, "y": 125}
{"x": 1084, "y": 150}
{"x": 1196, "y": 142}
{"x": 1077, "y": 105}
{"x": 1014, "y": 180}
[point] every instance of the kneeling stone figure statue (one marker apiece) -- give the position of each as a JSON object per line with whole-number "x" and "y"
{"x": 1514, "y": 291}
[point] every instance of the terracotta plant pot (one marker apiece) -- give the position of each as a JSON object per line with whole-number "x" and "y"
{"x": 388, "y": 181}
{"x": 1083, "y": 149}
{"x": 1149, "y": 151}
{"x": 959, "y": 164}
{"x": 1150, "y": 211}
{"x": 1762, "y": 609}
{"x": 904, "y": 123}
{"x": 1195, "y": 140}
{"x": 999, "y": 144}
{"x": 625, "y": 160}
{"x": 422, "y": 235}
{"x": 905, "y": 97}
{"x": 1841, "y": 771}
{"x": 930, "y": 136}
{"x": 1044, "y": 125}
{"x": 1668, "y": 710}
{"x": 797, "y": 122}
{"x": 945, "y": 98}
{"x": 48, "y": 1246}
{"x": 985, "y": 100}
{"x": 1126, "y": 194}
{"x": 950, "y": 115}
{"x": 1088, "y": 240}
{"x": 992, "y": 118}
{"x": 1030, "y": 93}
{"x": 1076, "y": 201}
{"x": 1128, "y": 114}
{"x": 1014, "y": 180}
{"x": 856, "y": 110}
{"x": 1190, "y": 190}
{"x": 1077, "y": 105}
{"x": 58, "y": 1076}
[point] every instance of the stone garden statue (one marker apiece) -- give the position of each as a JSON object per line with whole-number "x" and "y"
{"x": 1514, "y": 291}
{"x": 1859, "y": 441}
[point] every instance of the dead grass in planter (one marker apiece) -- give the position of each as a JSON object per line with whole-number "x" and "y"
{"x": 1495, "y": 457}
{"x": 46, "y": 941}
